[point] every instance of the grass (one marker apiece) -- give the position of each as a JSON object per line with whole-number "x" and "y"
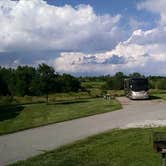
{"x": 41, "y": 99}
{"x": 116, "y": 93}
{"x": 131, "y": 147}
{"x": 157, "y": 93}
{"x": 93, "y": 84}
{"x": 19, "y": 117}
{"x": 95, "y": 87}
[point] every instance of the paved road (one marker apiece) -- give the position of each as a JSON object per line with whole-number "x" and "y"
{"x": 24, "y": 144}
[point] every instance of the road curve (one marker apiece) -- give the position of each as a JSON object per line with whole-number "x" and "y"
{"x": 25, "y": 144}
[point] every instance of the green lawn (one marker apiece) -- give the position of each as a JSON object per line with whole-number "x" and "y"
{"x": 19, "y": 117}
{"x": 131, "y": 147}
{"x": 41, "y": 99}
{"x": 156, "y": 93}
{"x": 116, "y": 93}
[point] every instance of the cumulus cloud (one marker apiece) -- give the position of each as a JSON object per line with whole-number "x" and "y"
{"x": 77, "y": 62}
{"x": 139, "y": 53}
{"x": 36, "y": 25}
{"x": 144, "y": 51}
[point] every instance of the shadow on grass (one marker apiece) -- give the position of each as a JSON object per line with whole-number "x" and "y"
{"x": 68, "y": 102}
{"x": 9, "y": 112}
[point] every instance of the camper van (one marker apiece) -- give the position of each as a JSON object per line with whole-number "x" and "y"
{"x": 136, "y": 88}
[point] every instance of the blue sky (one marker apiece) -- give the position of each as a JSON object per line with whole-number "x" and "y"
{"x": 104, "y": 6}
{"x": 85, "y": 37}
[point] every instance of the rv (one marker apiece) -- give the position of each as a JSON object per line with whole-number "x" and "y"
{"x": 136, "y": 88}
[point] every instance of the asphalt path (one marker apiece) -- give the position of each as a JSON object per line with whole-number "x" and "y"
{"x": 25, "y": 144}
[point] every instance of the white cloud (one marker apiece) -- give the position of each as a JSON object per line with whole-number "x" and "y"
{"x": 135, "y": 54}
{"x": 36, "y": 25}
{"x": 143, "y": 52}
{"x": 155, "y": 6}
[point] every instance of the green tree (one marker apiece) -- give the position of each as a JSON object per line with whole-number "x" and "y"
{"x": 70, "y": 83}
{"x": 23, "y": 78}
{"x": 26, "y": 80}
{"x": 5, "y": 77}
{"x": 115, "y": 82}
{"x": 3, "y": 87}
{"x": 46, "y": 79}
{"x": 136, "y": 75}
{"x": 161, "y": 84}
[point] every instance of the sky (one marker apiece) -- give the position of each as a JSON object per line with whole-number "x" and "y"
{"x": 85, "y": 37}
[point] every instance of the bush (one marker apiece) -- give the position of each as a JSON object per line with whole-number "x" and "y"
{"x": 157, "y": 83}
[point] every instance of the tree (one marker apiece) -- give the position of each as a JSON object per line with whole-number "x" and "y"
{"x": 136, "y": 75}
{"x": 69, "y": 83}
{"x": 161, "y": 84}
{"x": 26, "y": 80}
{"x": 3, "y": 87}
{"x": 115, "y": 82}
{"x": 46, "y": 79}
{"x": 23, "y": 78}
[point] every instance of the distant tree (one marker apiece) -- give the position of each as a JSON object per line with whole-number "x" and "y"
{"x": 136, "y": 75}
{"x": 118, "y": 80}
{"x": 70, "y": 83}
{"x": 161, "y": 84}
{"x": 115, "y": 82}
{"x": 157, "y": 82}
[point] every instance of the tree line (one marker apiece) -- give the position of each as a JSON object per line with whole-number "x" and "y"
{"x": 31, "y": 81}
{"x": 116, "y": 82}
{"x": 26, "y": 80}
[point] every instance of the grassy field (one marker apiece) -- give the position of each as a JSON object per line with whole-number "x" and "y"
{"x": 41, "y": 99}
{"x": 94, "y": 87}
{"x": 131, "y": 147}
{"x": 160, "y": 94}
{"x": 18, "y": 117}
{"x": 116, "y": 93}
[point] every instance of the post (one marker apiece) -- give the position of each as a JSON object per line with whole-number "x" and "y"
{"x": 159, "y": 144}
{"x": 163, "y": 156}
{"x": 163, "y": 159}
